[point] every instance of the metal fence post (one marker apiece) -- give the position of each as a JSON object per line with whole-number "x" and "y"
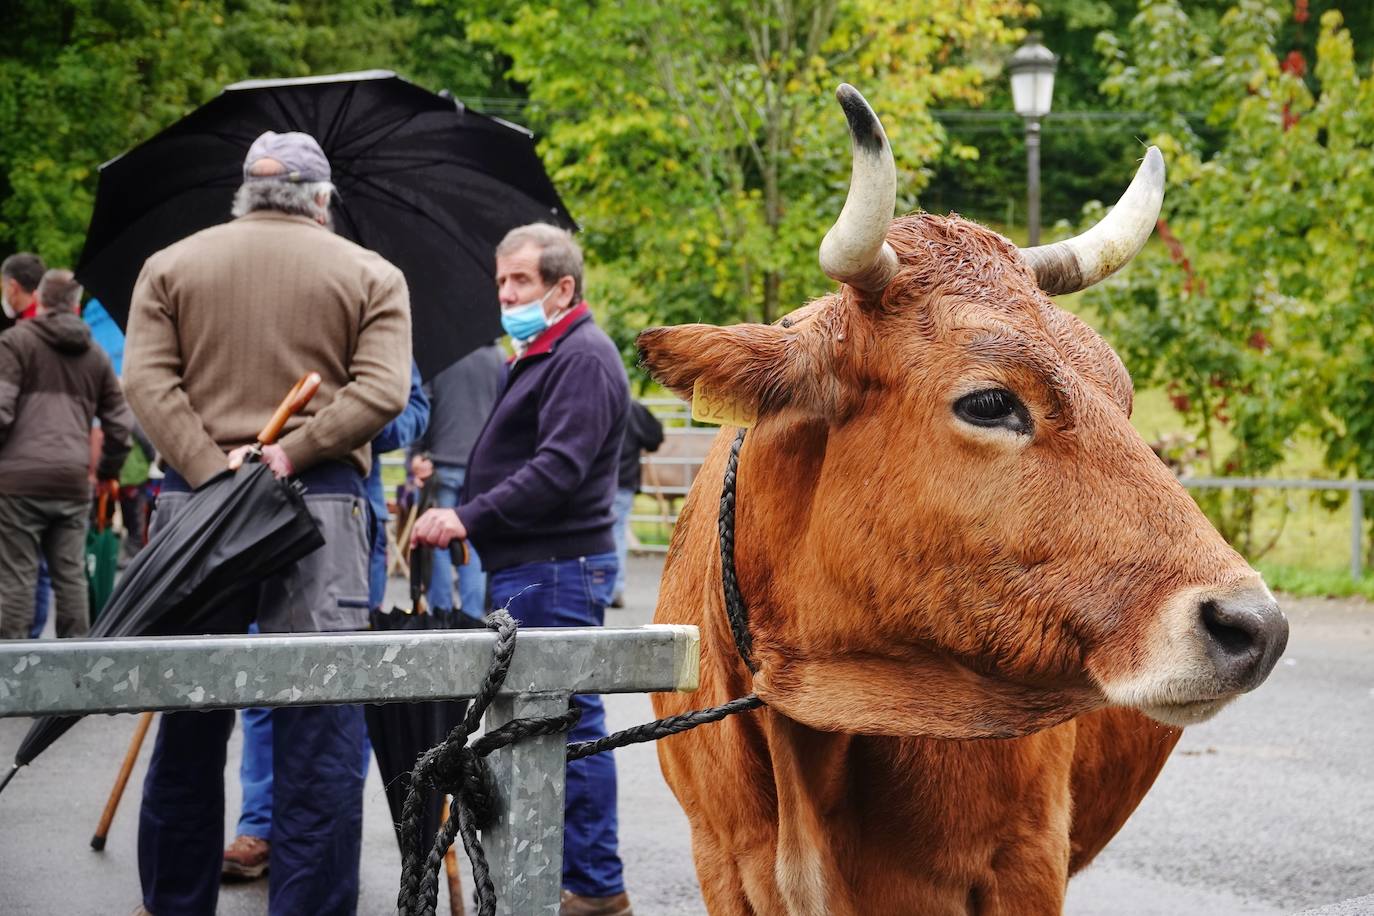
{"x": 1356, "y": 533}
{"x": 525, "y": 848}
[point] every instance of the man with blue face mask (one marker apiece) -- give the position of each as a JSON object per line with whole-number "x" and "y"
{"x": 538, "y": 505}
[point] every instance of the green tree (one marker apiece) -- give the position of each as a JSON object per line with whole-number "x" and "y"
{"x": 1089, "y": 141}
{"x": 1255, "y": 313}
{"x": 84, "y": 80}
{"x": 699, "y": 143}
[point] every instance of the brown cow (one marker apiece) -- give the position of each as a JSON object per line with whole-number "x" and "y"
{"x": 981, "y": 608}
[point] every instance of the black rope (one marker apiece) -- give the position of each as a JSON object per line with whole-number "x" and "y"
{"x": 652, "y": 731}
{"x": 460, "y": 769}
{"x": 734, "y": 602}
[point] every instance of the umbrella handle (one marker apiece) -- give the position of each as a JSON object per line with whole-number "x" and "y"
{"x": 299, "y": 396}
{"x": 104, "y": 516}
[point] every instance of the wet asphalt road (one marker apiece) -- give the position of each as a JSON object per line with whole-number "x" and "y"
{"x": 1269, "y": 809}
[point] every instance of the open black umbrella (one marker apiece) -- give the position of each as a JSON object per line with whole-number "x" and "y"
{"x": 236, "y": 530}
{"x": 430, "y": 186}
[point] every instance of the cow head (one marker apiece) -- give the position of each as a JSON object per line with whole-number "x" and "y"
{"x": 946, "y": 523}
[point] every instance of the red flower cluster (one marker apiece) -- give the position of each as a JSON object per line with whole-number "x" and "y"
{"x": 1179, "y": 257}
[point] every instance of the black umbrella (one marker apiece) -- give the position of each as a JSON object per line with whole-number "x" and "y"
{"x": 236, "y": 530}
{"x": 401, "y": 732}
{"x": 429, "y": 185}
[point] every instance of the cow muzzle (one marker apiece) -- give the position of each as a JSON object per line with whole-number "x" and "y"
{"x": 1211, "y": 646}
{"x": 1243, "y": 635}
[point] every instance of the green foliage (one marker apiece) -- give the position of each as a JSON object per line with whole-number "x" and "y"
{"x": 1313, "y": 583}
{"x": 698, "y": 141}
{"x": 1254, "y": 314}
{"x": 1090, "y": 141}
{"x": 84, "y": 80}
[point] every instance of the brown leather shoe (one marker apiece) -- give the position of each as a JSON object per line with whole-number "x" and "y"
{"x": 577, "y": 905}
{"x": 246, "y": 858}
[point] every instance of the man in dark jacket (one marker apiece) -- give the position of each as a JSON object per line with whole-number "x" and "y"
{"x": 53, "y": 382}
{"x": 461, "y": 398}
{"x": 537, "y": 503}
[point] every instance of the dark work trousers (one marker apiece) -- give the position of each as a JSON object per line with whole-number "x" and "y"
{"x": 317, "y": 751}
{"x": 316, "y": 812}
{"x": 574, "y": 592}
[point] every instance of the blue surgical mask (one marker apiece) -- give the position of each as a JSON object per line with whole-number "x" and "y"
{"x": 523, "y": 322}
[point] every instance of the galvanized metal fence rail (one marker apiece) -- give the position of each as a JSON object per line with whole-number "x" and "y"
{"x": 85, "y": 676}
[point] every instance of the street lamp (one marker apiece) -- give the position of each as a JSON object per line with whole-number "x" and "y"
{"x": 1032, "y": 87}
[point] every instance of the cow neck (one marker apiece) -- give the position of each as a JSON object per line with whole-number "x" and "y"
{"x": 735, "y": 610}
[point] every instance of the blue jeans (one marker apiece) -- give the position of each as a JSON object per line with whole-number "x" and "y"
{"x": 42, "y": 597}
{"x": 574, "y": 593}
{"x": 255, "y": 771}
{"x": 472, "y": 582}
{"x": 624, "y": 502}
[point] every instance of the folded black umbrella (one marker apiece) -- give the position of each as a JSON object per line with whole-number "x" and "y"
{"x": 430, "y": 186}
{"x": 236, "y": 530}
{"x": 401, "y": 732}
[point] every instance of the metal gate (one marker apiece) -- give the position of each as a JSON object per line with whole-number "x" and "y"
{"x": 525, "y": 848}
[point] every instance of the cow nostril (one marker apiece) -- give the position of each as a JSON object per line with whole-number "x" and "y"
{"x": 1245, "y": 634}
{"x": 1229, "y": 637}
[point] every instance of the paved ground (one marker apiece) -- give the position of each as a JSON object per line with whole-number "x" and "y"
{"x": 1267, "y": 810}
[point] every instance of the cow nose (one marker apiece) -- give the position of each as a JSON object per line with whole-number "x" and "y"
{"x": 1245, "y": 633}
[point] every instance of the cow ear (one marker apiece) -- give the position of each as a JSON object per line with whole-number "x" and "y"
{"x": 918, "y": 693}
{"x": 765, "y": 366}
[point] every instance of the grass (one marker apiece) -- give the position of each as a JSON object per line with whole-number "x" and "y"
{"x": 1316, "y": 583}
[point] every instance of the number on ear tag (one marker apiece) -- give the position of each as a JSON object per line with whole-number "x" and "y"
{"x": 721, "y": 409}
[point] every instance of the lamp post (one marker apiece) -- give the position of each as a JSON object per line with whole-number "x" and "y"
{"x": 1032, "y": 88}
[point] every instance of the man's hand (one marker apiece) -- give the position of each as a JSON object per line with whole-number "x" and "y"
{"x": 238, "y": 456}
{"x": 421, "y": 467}
{"x": 272, "y": 455}
{"x": 436, "y": 528}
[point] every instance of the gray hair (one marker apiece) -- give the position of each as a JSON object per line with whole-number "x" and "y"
{"x": 297, "y": 198}
{"x": 559, "y": 255}
{"x": 58, "y": 291}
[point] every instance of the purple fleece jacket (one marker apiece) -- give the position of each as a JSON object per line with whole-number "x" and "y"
{"x": 542, "y": 475}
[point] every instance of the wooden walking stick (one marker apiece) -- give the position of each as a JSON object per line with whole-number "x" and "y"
{"x": 102, "y": 829}
{"x": 455, "y": 879}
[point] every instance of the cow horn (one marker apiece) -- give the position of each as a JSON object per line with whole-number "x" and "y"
{"x": 855, "y": 250}
{"x": 1085, "y": 259}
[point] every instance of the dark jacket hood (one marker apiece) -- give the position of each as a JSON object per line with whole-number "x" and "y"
{"x": 65, "y": 332}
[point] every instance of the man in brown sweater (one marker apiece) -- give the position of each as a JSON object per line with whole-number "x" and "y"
{"x": 221, "y": 325}
{"x": 53, "y": 382}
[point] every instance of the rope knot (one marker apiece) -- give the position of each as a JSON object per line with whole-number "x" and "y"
{"x": 460, "y": 771}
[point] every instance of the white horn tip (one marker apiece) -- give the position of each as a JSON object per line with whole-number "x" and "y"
{"x": 1152, "y": 168}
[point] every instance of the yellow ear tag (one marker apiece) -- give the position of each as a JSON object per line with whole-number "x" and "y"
{"x": 721, "y": 409}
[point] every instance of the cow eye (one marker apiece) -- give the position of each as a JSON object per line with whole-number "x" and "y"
{"x": 993, "y": 407}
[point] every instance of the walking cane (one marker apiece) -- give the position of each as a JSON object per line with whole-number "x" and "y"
{"x": 102, "y": 829}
